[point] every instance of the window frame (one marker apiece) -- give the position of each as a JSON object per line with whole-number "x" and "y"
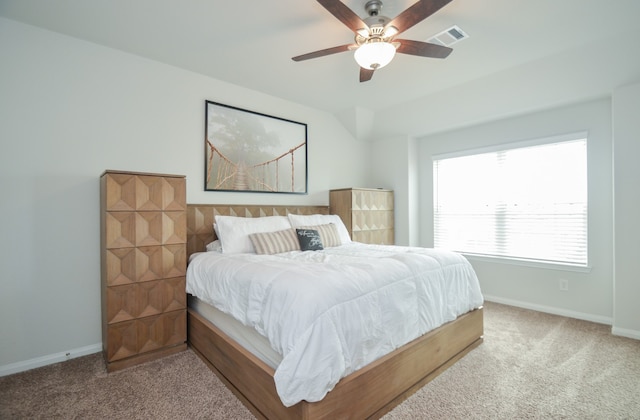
{"x": 511, "y": 260}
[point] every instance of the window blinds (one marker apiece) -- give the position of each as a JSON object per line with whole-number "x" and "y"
{"x": 524, "y": 203}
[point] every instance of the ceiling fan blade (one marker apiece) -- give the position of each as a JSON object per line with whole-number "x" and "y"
{"x": 344, "y": 14}
{"x": 418, "y": 12}
{"x": 365, "y": 74}
{"x": 423, "y": 49}
{"x": 322, "y": 53}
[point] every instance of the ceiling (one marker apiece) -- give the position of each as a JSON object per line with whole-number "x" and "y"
{"x": 251, "y": 42}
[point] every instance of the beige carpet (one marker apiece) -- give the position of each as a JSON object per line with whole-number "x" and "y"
{"x": 530, "y": 366}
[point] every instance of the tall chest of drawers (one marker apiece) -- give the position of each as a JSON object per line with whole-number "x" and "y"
{"x": 366, "y": 212}
{"x": 143, "y": 266}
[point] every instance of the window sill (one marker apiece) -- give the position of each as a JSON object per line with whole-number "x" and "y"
{"x": 529, "y": 263}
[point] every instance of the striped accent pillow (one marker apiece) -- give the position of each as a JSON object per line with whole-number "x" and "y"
{"x": 328, "y": 234}
{"x": 275, "y": 242}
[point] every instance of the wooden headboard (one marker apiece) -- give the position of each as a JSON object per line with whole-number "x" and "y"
{"x": 200, "y": 219}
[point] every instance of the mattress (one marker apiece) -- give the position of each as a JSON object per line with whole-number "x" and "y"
{"x": 328, "y": 313}
{"x": 247, "y": 337}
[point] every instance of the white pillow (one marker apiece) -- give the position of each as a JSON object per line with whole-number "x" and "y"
{"x": 234, "y": 232}
{"x": 214, "y": 246}
{"x": 299, "y": 220}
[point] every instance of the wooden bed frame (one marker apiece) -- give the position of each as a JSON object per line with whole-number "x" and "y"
{"x": 369, "y": 392}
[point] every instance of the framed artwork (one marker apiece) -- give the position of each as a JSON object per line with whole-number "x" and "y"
{"x": 253, "y": 152}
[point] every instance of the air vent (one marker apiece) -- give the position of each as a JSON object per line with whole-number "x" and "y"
{"x": 449, "y": 37}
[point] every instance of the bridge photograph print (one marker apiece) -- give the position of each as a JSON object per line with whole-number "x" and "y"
{"x": 253, "y": 152}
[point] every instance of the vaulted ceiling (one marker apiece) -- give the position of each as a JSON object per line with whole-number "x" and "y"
{"x": 556, "y": 51}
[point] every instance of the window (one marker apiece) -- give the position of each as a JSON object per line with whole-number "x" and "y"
{"x": 527, "y": 202}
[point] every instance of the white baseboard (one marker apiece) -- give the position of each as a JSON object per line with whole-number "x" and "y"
{"x": 623, "y": 332}
{"x": 551, "y": 310}
{"x": 95, "y": 348}
{"x": 49, "y": 359}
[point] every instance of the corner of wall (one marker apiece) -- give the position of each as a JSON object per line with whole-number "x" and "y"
{"x": 626, "y": 198}
{"x": 358, "y": 121}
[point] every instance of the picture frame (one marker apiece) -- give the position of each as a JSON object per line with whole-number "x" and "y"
{"x": 248, "y": 151}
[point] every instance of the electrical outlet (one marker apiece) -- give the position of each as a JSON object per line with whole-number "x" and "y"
{"x": 564, "y": 285}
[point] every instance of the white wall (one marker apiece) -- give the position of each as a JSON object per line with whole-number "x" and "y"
{"x": 590, "y": 295}
{"x": 576, "y": 75}
{"x": 626, "y": 151}
{"x": 395, "y": 167}
{"x": 69, "y": 110}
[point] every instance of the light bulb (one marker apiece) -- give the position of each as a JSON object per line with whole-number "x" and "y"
{"x": 374, "y": 55}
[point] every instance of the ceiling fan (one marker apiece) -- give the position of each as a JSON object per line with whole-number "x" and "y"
{"x": 375, "y": 43}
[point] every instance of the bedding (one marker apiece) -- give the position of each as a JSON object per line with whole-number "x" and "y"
{"x": 309, "y": 240}
{"x": 275, "y": 242}
{"x": 302, "y": 220}
{"x": 328, "y": 313}
{"x": 289, "y": 239}
{"x": 329, "y": 235}
{"x": 233, "y": 232}
{"x": 215, "y": 246}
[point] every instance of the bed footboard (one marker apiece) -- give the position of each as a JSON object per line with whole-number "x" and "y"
{"x": 369, "y": 392}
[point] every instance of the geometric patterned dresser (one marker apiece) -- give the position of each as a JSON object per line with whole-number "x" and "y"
{"x": 143, "y": 266}
{"x": 367, "y": 213}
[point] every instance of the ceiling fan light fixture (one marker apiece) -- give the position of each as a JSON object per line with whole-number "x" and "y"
{"x": 363, "y": 32}
{"x": 390, "y": 31}
{"x": 374, "y": 55}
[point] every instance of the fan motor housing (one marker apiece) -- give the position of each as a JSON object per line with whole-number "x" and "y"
{"x": 373, "y": 7}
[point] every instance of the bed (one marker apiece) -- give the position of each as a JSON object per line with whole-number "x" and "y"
{"x": 368, "y": 391}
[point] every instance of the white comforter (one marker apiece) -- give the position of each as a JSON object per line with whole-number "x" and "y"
{"x": 329, "y": 313}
